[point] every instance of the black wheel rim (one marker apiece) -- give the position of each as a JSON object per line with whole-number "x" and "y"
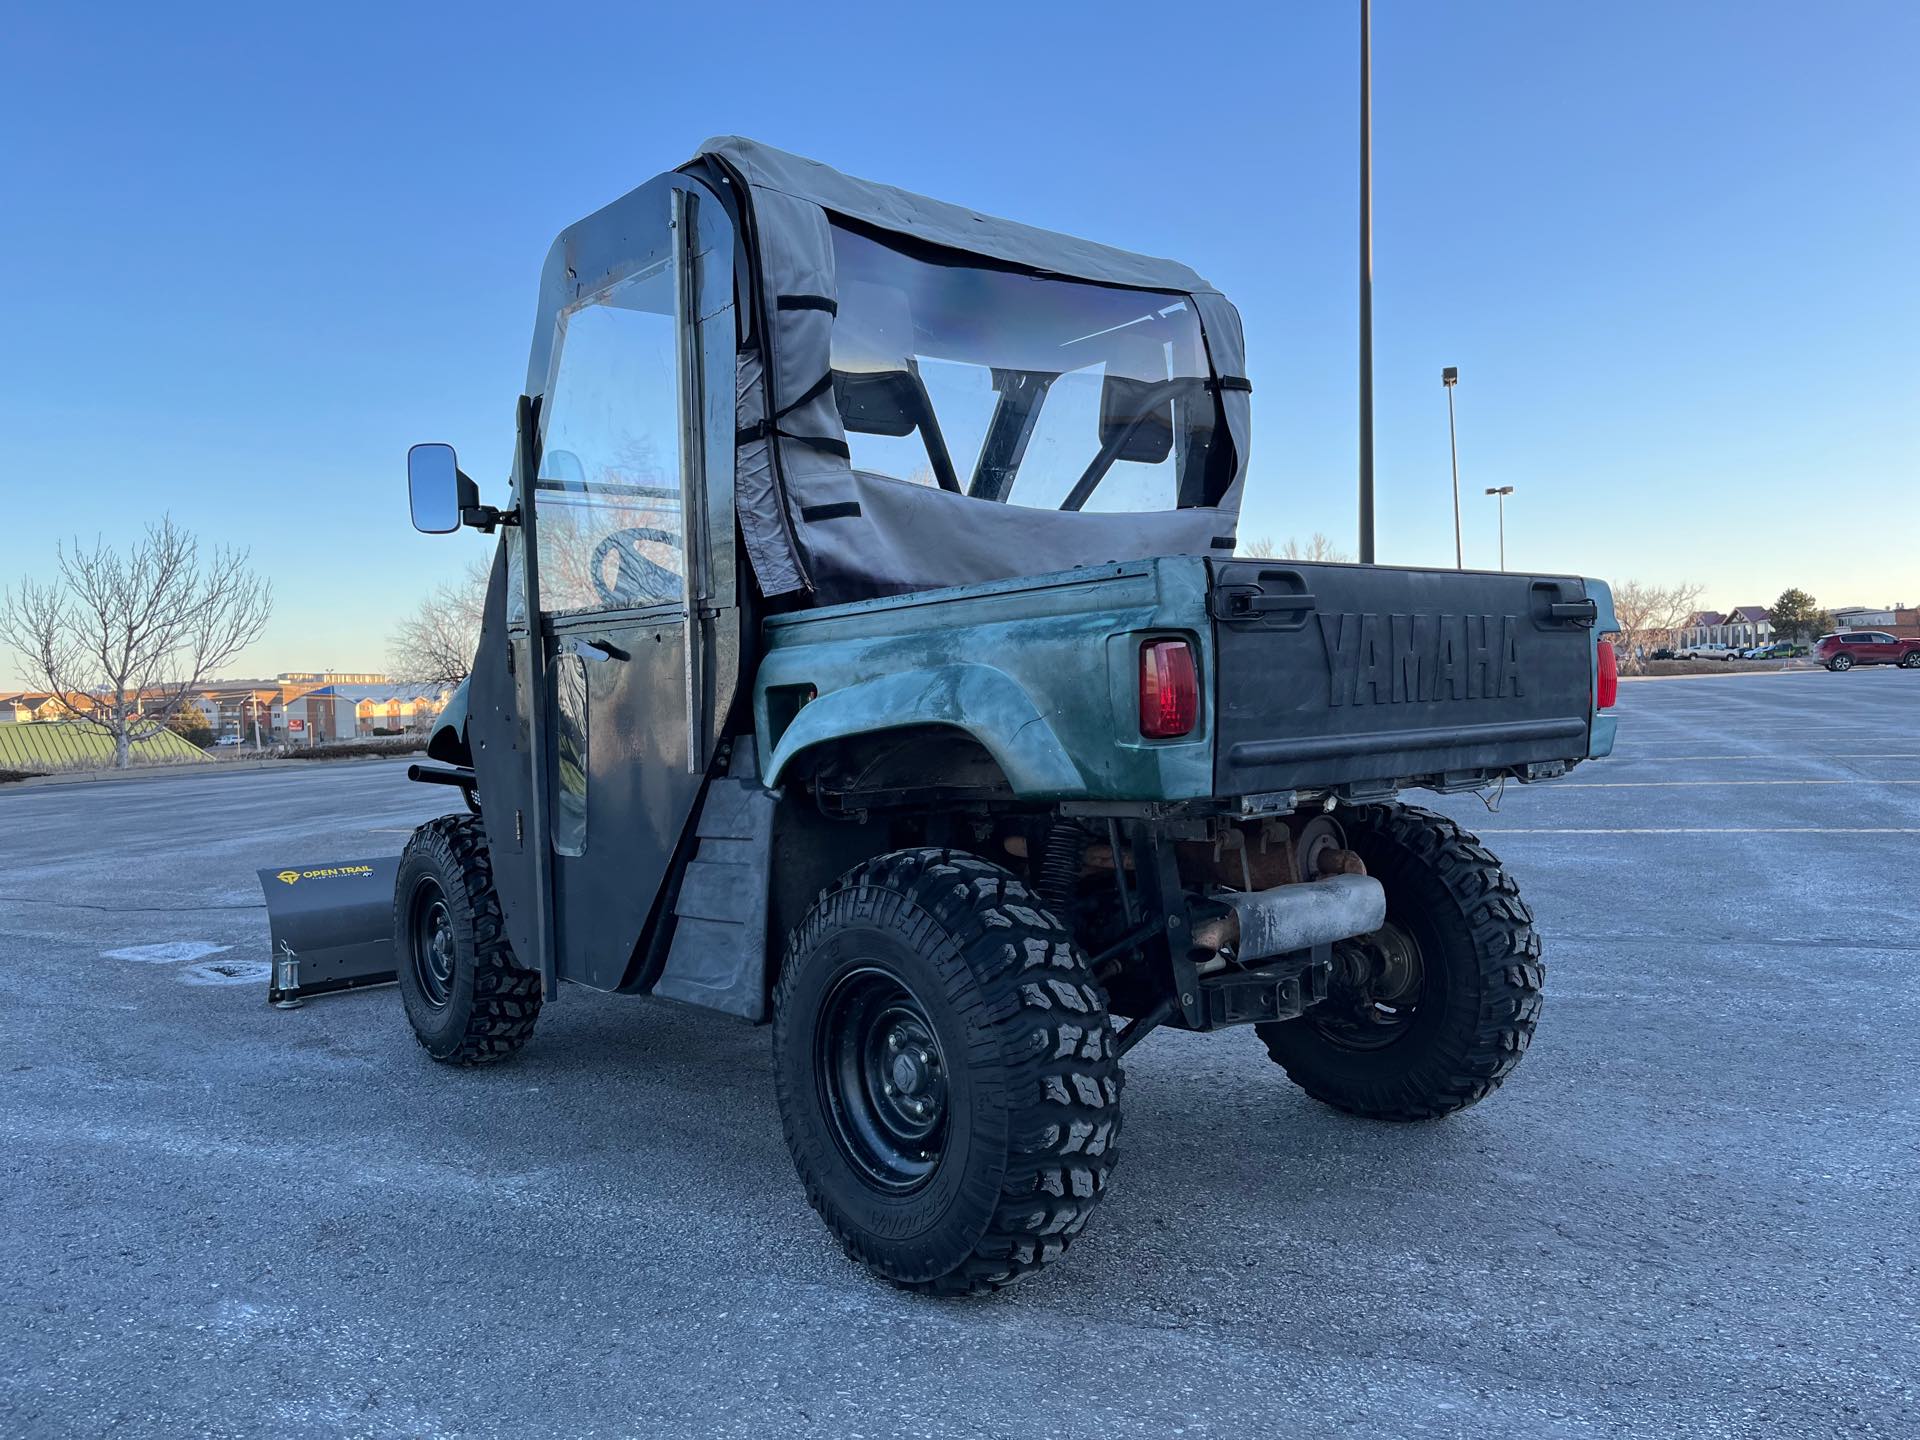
{"x": 883, "y": 1079}
{"x": 1387, "y": 984}
{"x": 431, "y": 934}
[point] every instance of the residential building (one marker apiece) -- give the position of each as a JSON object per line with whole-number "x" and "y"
{"x": 313, "y": 705}
{"x": 1740, "y": 627}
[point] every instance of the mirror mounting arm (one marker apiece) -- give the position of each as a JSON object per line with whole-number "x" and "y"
{"x": 481, "y": 517}
{"x": 485, "y": 517}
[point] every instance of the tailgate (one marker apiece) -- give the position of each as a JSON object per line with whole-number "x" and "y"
{"x": 1329, "y": 675}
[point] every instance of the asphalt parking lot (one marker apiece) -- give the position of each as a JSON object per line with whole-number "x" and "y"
{"x": 1691, "y": 1211}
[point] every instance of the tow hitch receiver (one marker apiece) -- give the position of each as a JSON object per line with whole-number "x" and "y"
{"x": 331, "y": 927}
{"x": 1273, "y": 992}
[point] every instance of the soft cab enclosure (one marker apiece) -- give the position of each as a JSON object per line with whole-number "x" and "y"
{"x": 879, "y": 315}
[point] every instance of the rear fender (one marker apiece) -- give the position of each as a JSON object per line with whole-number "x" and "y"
{"x": 984, "y": 702}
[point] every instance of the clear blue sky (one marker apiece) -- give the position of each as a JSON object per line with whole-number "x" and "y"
{"x": 247, "y": 257}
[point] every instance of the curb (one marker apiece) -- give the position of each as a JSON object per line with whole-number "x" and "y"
{"x": 198, "y": 772}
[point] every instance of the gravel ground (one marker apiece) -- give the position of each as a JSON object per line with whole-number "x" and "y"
{"x": 1690, "y": 1212}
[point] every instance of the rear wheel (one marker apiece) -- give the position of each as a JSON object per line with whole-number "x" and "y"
{"x": 1840, "y": 662}
{"x": 470, "y": 1002}
{"x": 1436, "y": 1007}
{"x": 946, "y": 1072}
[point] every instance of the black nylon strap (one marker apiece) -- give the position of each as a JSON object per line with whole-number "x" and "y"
{"x": 813, "y": 392}
{"x": 820, "y": 442}
{"x": 841, "y": 510}
{"x": 1234, "y": 382}
{"x": 806, "y": 302}
{"x": 761, "y": 430}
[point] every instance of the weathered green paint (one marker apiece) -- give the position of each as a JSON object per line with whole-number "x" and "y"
{"x": 1042, "y": 672}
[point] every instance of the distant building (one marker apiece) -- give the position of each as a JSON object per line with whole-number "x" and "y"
{"x": 1740, "y": 627}
{"x": 314, "y": 705}
{"x": 1900, "y": 620}
{"x": 340, "y": 712}
{"x": 332, "y": 677}
{"x": 23, "y": 707}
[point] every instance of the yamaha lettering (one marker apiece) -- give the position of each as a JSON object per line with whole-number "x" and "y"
{"x": 1392, "y": 659}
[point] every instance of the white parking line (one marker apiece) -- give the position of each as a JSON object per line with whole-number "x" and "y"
{"x": 1704, "y": 830}
{"x": 1767, "y": 755}
{"x": 1683, "y": 784}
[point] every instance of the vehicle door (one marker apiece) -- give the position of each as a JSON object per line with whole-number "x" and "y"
{"x": 632, "y": 523}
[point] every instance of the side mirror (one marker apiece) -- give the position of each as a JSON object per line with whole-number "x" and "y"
{"x": 436, "y": 490}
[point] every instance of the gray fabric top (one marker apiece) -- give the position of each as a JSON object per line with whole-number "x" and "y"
{"x": 809, "y": 520}
{"x": 954, "y": 226}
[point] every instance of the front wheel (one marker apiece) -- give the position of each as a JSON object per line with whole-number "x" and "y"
{"x": 1910, "y": 660}
{"x": 1438, "y": 1005}
{"x": 946, "y": 1072}
{"x": 469, "y": 1000}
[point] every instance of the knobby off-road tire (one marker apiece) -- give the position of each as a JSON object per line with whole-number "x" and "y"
{"x": 1478, "y": 985}
{"x": 936, "y": 956}
{"x": 470, "y": 1002}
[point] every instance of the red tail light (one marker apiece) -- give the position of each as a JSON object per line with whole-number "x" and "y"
{"x": 1606, "y": 684}
{"x": 1169, "y": 689}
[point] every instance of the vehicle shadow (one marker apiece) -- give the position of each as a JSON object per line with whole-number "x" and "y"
{"x": 634, "y": 1094}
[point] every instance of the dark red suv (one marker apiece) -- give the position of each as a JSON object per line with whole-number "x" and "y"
{"x": 1849, "y": 648}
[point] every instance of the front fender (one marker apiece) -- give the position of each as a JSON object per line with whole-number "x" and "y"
{"x": 448, "y": 741}
{"x": 984, "y": 702}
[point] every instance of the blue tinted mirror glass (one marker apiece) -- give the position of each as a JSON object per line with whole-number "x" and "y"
{"x": 433, "y": 488}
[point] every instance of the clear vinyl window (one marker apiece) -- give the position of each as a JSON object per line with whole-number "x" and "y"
{"x": 1031, "y": 390}
{"x": 609, "y": 481}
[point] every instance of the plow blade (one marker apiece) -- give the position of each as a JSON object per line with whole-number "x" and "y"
{"x": 332, "y": 927}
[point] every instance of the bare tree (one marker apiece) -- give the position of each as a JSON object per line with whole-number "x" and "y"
{"x": 123, "y": 641}
{"x": 435, "y": 644}
{"x": 1319, "y": 547}
{"x": 1651, "y": 616}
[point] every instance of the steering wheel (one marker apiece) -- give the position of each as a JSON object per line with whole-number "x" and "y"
{"x": 636, "y": 577}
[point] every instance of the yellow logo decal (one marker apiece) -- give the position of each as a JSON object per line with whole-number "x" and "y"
{"x": 331, "y": 872}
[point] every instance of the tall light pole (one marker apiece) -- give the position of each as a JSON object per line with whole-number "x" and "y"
{"x": 1366, "y": 282}
{"x": 1450, "y": 377}
{"x": 1502, "y": 491}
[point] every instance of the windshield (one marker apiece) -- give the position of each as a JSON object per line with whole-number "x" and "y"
{"x": 1035, "y": 391}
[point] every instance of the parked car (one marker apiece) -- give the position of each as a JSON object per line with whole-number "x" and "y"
{"x": 1848, "y": 648}
{"x": 225, "y": 740}
{"x": 1782, "y": 650}
{"x": 1708, "y": 652}
{"x": 1665, "y": 652}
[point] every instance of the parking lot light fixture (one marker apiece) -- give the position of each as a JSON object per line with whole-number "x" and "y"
{"x": 1502, "y": 491}
{"x": 1450, "y": 377}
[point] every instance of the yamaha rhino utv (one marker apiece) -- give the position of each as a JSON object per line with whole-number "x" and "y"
{"x": 865, "y": 652}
